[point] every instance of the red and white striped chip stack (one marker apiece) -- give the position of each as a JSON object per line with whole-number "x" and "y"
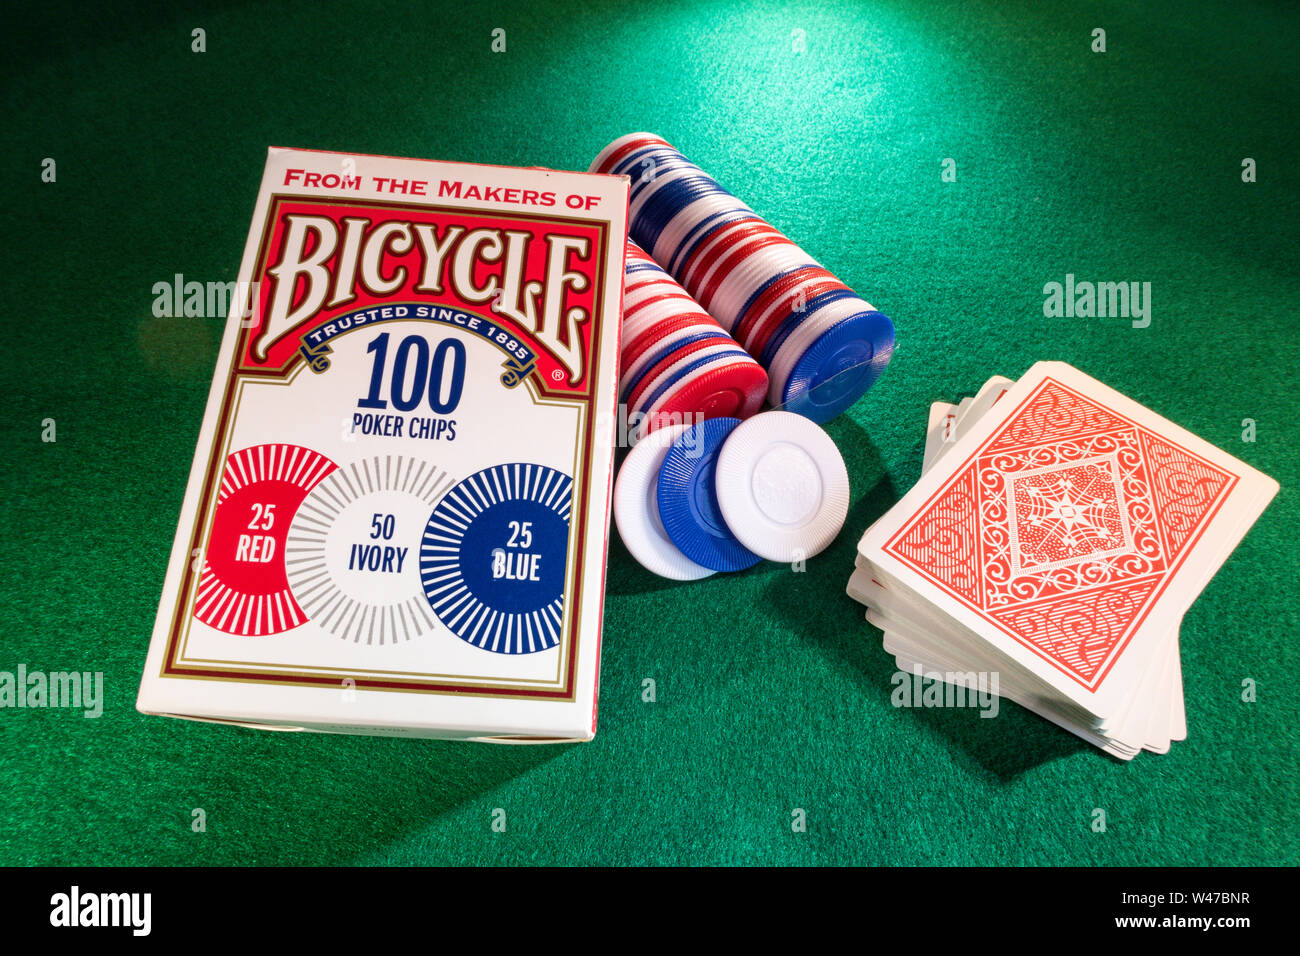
{"x": 679, "y": 365}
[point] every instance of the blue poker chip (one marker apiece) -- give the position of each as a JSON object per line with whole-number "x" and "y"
{"x": 657, "y": 151}
{"x": 650, "y": 172}
{"x": 839, "y": 366}
{"x": 688, "y": 500}
{"x": 653, "y": 214}
{"x": 703, "y": 230}
{"x": 640, "y": 164}
{"x": 640, "y": 159}
{"x": 648, "y": 169}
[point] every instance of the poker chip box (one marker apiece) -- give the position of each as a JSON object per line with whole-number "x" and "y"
{"x": 397, "y": 515}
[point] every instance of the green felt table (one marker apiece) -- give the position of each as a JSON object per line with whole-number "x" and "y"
{"x": 772, "y": 694}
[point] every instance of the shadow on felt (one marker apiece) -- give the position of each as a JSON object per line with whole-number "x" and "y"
{"x": 624, "y": 577}
{"x": 816, "y": 606}
{"x": 347, "y": 798}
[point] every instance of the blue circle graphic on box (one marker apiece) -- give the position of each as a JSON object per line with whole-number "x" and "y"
{"x": 493, "y": 557}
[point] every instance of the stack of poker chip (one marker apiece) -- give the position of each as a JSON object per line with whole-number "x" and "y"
{"x": 821, "y": 344}
{"x": 678, "y": 364}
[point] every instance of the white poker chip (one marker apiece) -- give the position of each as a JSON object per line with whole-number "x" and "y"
{"x": 782, "y": 486}
{"x": 636, "y": 510}
{"x": 694, "y": 215}
{"x": 726, "y": 243}
{"x": 656, "y": 312}
{"x": 736, "y": 288}
{"x": 760, "y": 260}
{"x": 633, "y": 294}
{"x": 752, "y": 273}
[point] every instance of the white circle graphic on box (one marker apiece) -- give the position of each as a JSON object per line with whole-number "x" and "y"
{"x": 353, "y": 550}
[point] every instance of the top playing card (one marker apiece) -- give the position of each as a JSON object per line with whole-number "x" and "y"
{"x": 1065, "y": 519}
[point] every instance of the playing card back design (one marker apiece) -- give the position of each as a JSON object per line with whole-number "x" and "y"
{"x": 1064, "y": 527}
{"x": 1060, "y": 514}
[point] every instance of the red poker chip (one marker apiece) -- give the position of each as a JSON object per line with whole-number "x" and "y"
{"x": 705, "y": 292}
{"x": 634, "y": 141}
{"x": 758, "y": 266}
{"x": 631, "y": 146}
{"x": 659, "y": 334}
{"x": 683, "y": 228}
{"x": 646, "y": 279}
{"x": 649, "y": 292}
{"x": 762, "y": 333}
{"x": 668, "y": 361}
{"x": 763, "y": 325}
{"x": 743, "y": 262}
{"x": 735, "y": 390}
{"x": 709, "y": 251}
{"x": 653, "y": 302}
{"x": 636, "y": 253}
{"x": 776, "y": 291}
{"x": 751, "y": 275}
{"x": 656, "y": 285}
{"x": 670, "y": 292}
{"x": 662, "y": 313}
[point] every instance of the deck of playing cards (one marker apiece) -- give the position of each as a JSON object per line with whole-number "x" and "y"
{"x": 1057, "y": 536}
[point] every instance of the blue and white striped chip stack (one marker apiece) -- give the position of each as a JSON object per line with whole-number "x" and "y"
{"x": 822, "y": 346}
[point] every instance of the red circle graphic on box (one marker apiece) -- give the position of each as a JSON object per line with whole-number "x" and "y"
{"x": 243, "y": 588}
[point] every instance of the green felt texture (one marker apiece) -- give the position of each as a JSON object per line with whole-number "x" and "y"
{"x": 772, "y": 692}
